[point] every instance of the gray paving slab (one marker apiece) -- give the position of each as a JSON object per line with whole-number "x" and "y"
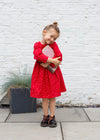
{"x": 29, "y": 131}
{"x": 4, "y": 114}
{"x": 81, "y": 130}
{"x": 62, "y": 114}
{"x": 71, "y": 114}
{"x": 93, "y": 113}
{"x": 26, "y": 117}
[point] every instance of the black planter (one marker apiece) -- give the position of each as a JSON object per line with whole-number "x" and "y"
{"x": 21, "y": 102}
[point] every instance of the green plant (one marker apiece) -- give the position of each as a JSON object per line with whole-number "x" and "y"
{"x": 17, "y": 80}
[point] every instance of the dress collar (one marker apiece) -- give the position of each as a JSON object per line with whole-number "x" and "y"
{"x": 42, "y": 44}
{"x": 51, "y": 45}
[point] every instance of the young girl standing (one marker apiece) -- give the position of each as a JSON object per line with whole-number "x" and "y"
{"x": 44, "y": 84}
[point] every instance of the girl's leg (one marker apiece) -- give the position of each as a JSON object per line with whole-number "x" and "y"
{"x": 45, "y": 106}
{"x": 52, "y": 106}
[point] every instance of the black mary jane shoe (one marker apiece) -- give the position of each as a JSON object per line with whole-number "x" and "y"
{"x": 52, "y": 122}
{"x": 45, "y": 120}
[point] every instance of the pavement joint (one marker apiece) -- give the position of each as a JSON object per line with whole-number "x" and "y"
{"x": 87, "y": 115}
{"x": 7, "y": 117}
{"x": 61, "y": 131}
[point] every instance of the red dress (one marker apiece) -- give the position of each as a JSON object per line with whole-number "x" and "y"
{"x": 45, "y": 84}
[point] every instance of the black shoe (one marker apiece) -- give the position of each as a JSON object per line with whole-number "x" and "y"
{"x": 45, "y": 120}
{"x": 52, "y": 122}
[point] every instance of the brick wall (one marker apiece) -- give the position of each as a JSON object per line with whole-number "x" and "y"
{"x": 21, "y": 24}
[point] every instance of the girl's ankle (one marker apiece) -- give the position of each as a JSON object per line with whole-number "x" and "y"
{"x": 45, "y": 115}
{"x": 52, "y": 115}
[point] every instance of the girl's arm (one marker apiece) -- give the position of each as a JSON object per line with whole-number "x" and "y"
{"x": 57, "y": 54}
{"x": 51, "y": 60}
{"x": 38, "y": 55}
{"x": 45, "y": 64}
{"x": 57, "y": 51}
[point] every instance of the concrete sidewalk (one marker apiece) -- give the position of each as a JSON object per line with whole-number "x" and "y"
{"x": 72, "y": 124}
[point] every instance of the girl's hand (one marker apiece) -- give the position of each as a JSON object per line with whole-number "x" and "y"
{"x": 56, "y": 62}
{"x": 45, "y": 64}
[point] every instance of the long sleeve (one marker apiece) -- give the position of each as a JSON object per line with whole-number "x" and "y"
{"x": 38, "y": 55}
{"x": 57, "y": 52}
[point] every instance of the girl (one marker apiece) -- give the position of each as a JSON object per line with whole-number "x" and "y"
{"x": 44, "y": 84}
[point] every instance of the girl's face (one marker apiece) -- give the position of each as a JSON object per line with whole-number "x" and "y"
{"x": 50, "y": 36}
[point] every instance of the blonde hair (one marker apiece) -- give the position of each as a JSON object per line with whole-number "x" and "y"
{"x": 54, "y": 26}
